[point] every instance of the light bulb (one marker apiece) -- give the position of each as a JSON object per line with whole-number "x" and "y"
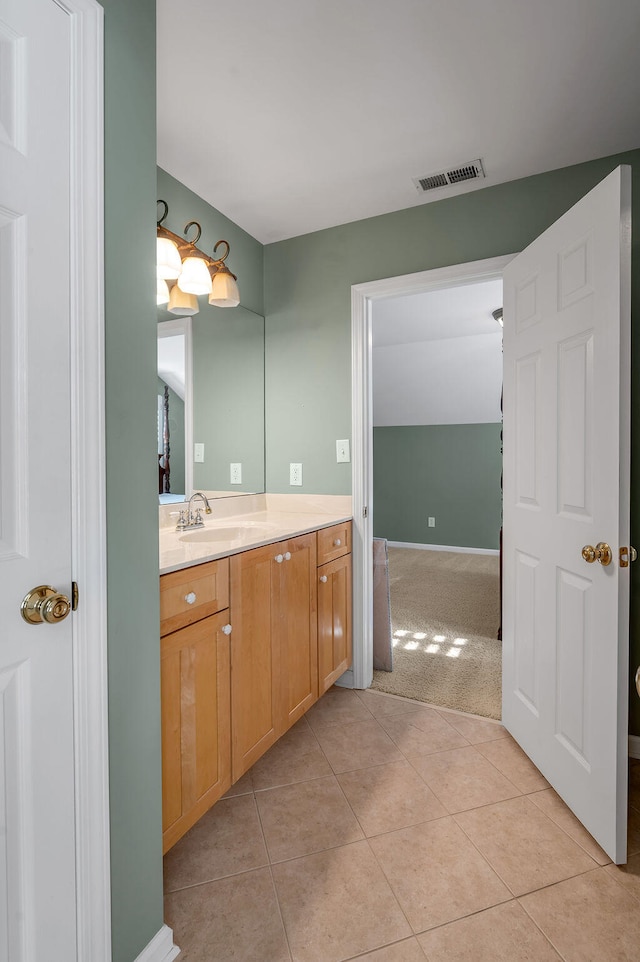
{"x": 184, "y": 305}
{"x": 195, "y": 277}
{"x": 162, "y": 292}
{"x": 225, "y": 291}
{"x": 168, "y": 262}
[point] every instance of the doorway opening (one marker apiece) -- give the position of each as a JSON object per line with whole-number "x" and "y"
{"x": 437, "y": 466}
{"x": 366, "y": 298}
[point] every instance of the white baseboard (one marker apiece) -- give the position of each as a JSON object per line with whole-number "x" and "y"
{"x": 442, "y": 547}
{"x": 634, "y": 746}
{"x": 160, "y": 948}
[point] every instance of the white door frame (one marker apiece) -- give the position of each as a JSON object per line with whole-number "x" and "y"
{"x": 362, "y": 298}
{"x": 183, "y": 325}
{"x": 88, "y": 498}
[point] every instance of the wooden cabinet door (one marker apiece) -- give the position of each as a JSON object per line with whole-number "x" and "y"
{"x": 334, "y": 621}
{"x": 254, "y": 658}
{"x": 196, "y": 740}
{"x": 294, "y": 627}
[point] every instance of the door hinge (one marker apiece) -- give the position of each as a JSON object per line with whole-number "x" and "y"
{"x": 365, "y": 512}
{"x": 75, "y": 594}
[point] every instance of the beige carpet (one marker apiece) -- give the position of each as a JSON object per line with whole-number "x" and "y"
{"x": 445, "y": 612}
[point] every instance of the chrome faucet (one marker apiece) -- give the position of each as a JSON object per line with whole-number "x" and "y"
{"x": 188, "y": 519}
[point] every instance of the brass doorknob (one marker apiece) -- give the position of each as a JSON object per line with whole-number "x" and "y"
{"x": 601, "y": 552}
{"x": 44, "y": 603}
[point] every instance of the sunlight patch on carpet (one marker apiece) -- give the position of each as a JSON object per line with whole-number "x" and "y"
{"x": 445, "y": 613}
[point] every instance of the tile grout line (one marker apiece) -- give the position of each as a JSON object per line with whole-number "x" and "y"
{"x": 432, "y": 789}
{"x": 540, "y": 929}
{"x": 504, "y": 882}
{"x": 273, "y": 881}
{"x": 618, "y": 882}
{"x": 219, "y": 878}
{"x": 391, "y": 888}
{"x": 284, "y": 927}
{"x": 555, "y": 822}
{"x": 387, "y": 945}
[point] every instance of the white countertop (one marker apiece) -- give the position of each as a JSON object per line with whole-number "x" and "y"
{"x": 270, "y": 518}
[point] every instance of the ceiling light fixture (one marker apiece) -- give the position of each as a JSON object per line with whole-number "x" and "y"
{"x": 497, "y": 316}
{"x": 195, "y": 272}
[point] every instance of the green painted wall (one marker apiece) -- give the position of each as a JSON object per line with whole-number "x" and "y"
{"x": 308, "y": 313}
{"x": 228, "y": 398}
{"x": 450, "y": 472}
{"x": 176, "y": 437}
{"x": 132, "y": 476}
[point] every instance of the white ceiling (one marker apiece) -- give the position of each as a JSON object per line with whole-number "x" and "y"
{"x": 436, "y": 315}
{"x": 294, "y": 115}
{"x": 437, "y": 357}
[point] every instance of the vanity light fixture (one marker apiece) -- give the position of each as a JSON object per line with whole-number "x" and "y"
{"x": 199, "y": 273}
{"x": 195, "y": 277}
{"x": 497, "y": 316}
{"x": 225, "y": 291}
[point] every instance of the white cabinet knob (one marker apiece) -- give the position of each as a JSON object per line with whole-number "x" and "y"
{"x": 190, "y": 598}
{"x": 287, "y": 556}
{"x": 226, "y": 629}
{"x": 337, "y": 542}
{"x": 323, "y": 578}
{"x": 279, "y": 559}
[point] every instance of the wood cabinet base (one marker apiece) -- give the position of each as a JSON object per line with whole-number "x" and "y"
{"x": 334, "y": 621}
{"x": 196, "y": 754}
{"x": 227, "y": 696}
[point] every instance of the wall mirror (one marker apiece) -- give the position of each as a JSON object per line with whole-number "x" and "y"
{"x": 211, "y": 404}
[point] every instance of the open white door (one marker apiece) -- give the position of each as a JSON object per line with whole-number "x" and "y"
{"x": 54, "y": 869}
{"x": 566, "y": 486}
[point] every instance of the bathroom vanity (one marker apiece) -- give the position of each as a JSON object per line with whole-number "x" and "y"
{"x": 255, "y": 617}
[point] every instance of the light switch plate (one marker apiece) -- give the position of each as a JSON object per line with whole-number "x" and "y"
{"x": 198, "y": 453}
{"x": 432, "y": 522}
{"x": 235, "y": 472}
{"x": 342, "y": 451}
{"x": 295, "y": 474}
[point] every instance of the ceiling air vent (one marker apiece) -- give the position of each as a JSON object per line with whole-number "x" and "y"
{"x": 446, "y": 178}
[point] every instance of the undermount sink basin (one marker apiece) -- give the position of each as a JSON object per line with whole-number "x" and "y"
{"x": 226, "y": 533}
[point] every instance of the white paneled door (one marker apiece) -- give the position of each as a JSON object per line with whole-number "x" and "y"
{"x": 566, "y": 488}
{"x": 41, "y": 286}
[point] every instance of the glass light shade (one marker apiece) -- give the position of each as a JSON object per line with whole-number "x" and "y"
{"x": 162, "y": 292}
{"x": 168, "y": 262}
{"x": 185, "y": 305}
{"x": 225, "y": 291}
{"x": 195, "y": 277}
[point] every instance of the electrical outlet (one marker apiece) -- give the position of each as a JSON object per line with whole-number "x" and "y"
{"x": 342, "y": 451}
{"x": 432, "y": 522}
{"x": 198, "y": 453}
{"x": 235, "y": 473}
{"x": 295, "y": 474}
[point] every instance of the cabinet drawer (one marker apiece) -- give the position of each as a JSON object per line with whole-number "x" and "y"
{"x": 334, "y": 542}
{"x": 194, "y": 593}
